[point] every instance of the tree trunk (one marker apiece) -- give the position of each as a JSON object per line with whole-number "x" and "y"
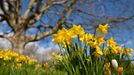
{"x": 18, "y": 43}
{"x": 18, "y": 46}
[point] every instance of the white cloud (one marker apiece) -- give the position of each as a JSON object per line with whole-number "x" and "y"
{"x": 31, "y": 44}
{"x": 9, "y": 34}
{"x": 1, "y": 33}
{"x": 43, "y": 54}
{"x": 129, "y": 42}
{"x": 5, "y": 44}
{"x": 41, "y": 50}
{"x": 3, "y": 22}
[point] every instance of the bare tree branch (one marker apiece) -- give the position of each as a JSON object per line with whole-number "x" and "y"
{"x": 40, "y": 26}
{"x": 59, "y": 22}
{"x": 11, "y": 6}
{"x": 111, "y": 19}
{"x": 36, "y": 16}
{"x": 2, "y": 6}
{"x": 59, "y": 3}
{"x": 52, "y": 12}
{"x": 18, "y": 7}
{"x": 29, "y": 8}
{"x": 5, "y": 18}
{"x": 120, "y": 19}
{"x": 2, "y": 17}
{"x": 9, "y": 14}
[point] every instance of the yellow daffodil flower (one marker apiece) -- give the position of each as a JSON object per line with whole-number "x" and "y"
{"x": 100, "y": 39}
{"x": 119, "y": 49}
{"x": 46, "y": 65}
{"x": 77, "y": 30}
{"x": 111, "y": 42}
{"x": 107, "y": 69}
{"x": 20, "y": 58}
{"x": 92, "y": 43}
{"x": 18, "y": 65}
{"x": 98, "y": 52}
{"x": 86, "y": 37}
{"x": 103, "y": 28}
{"x": 114, "y": 50}
{"x": 127, "y": 51}
{"x": 106, "y": 51}
{"x": 32, "y": 61}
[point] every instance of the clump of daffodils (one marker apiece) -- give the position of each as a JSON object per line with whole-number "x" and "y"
{"x": 77, "y": 45}
{"x": 9, "y": 55}
{"x": 64, "y": 38}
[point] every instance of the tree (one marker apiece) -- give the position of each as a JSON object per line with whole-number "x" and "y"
{"x": 21, "y": 20}
{"x": 21, "y": 15}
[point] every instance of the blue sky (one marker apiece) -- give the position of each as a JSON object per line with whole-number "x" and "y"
{"x": 123, "y": 32}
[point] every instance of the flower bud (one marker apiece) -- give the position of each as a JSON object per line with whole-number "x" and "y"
{"x": 120, "y": 70}
{"x": 114, "y": 63}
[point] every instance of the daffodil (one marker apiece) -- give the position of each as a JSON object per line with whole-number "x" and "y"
{"x": 93, "y": 43}
{"x": 77, "y": 30}
{"x": 86, "y": 37}
{"x": 107, "y": 69}
{"x": 100, "y": 39}
{"x": 46, "y": 65}
{"x": 106, "y": 51}
{"x": 38, "y": 66}
{"x": 103, "y": 28}
{"x": 63, "y": 37}
{"x": 111, "y": 42}
{"x": 31, "y": 61}
{"x": 18, "y": 65}
{"x": 6, "y": 58}
{"x": 7, "y": 54}
{"x": 58, "y": 39}
{"x": 56, "y": 56}
{"x": 114, "y": 50}
{"x": 119, "y": 49}
{"x": 127, "y": 51}
{"x": 60, "y": 36}
{"x": 20, "y": 58}
{"x": 98, "y": 52}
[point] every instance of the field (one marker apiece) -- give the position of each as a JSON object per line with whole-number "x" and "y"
{"x": 81, "y": 54}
